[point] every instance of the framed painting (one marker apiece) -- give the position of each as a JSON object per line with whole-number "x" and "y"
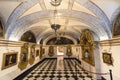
{"x": 32, "y": 55}
{"x": 32, "y": 52}
{"x": 9, "y": 59}
{"x": 23, "y": 56}
{"x": 37, "y": 52}
{"x": 107, "y": 58}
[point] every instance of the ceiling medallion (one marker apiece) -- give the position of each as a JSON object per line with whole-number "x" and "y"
{"x": 55, "y": 2}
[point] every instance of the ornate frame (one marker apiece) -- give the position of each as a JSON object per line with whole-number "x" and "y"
{"x": 23, "y": 56}
{"x": 51, "y": 51}
{"x": 32, "y": 55}
{"x": 87, "y": 46}
{"x": 107, "y": 58}
{"x": 37, "y": 52}
{"x": 9, "y": 59}
{"x": 69, "y": 51}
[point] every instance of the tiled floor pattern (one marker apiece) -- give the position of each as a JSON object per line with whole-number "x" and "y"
{"x": 47, "y": 71}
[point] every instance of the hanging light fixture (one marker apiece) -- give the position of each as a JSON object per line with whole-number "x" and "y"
{"x": 55, "y": 3}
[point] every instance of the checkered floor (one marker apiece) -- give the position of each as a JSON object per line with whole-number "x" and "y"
{"x": 47, "y": 71}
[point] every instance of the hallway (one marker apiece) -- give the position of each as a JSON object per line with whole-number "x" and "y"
{"x": 47, "y": 70}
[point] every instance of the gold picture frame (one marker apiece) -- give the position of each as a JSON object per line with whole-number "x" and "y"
{"x": 107, "y": 58}
{"x": 87, "y": 46}
{"x": 9, "y": 59}
{"x": 32, "y": 55}
{"x": 23, "y": 57}
{"x": 37, "y": 52}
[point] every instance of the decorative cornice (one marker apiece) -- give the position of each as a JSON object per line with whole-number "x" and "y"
{"x": 111, "y": 42}
{"x": 10, "y": 43}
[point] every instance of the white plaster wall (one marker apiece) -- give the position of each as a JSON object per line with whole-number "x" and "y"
{"x": 5, "y": 50}
{"x": 12, "y": 72}
{"x": 115, "y": 51}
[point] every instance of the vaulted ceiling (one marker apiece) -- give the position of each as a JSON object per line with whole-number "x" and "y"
{"x": 20, "y": 16}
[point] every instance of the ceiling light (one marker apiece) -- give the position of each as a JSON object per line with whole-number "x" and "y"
{"x": 55, "y": 3}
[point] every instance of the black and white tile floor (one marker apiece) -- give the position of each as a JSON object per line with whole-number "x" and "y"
{"x": 47, "y": 71}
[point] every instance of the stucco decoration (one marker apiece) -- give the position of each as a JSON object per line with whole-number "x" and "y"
{"x": 87, "y": 45}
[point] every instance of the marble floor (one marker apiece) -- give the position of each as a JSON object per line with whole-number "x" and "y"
{"x": 47, "y": 70}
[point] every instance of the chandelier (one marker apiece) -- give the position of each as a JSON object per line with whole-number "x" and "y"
{"x": 55, "y": 3}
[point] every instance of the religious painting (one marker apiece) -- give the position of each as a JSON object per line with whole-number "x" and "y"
{"x": 32, "y": 55}
{"x": 87, "y": 46}
{"x": 43, "y": 50}
{"x": 77, "y": 49}
{"x": 1, "y": 29}
{"x": 107, "y": 58}
{"x": 40, "y": 52}
{"x": 23, "y": 57}
{"x": 60, "y": 49}
{"x": 28, "y": 37}
{"x": 9, "y": 59}
{"x": 37, "y": 52}
{"x": 69, "y": 51}
{"x": 116, "y": 26}
{"x": 51, "y": 51}
{"x": 59, "y": 41}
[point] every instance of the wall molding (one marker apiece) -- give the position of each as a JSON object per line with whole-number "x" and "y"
{"x": 111, "y": 42}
